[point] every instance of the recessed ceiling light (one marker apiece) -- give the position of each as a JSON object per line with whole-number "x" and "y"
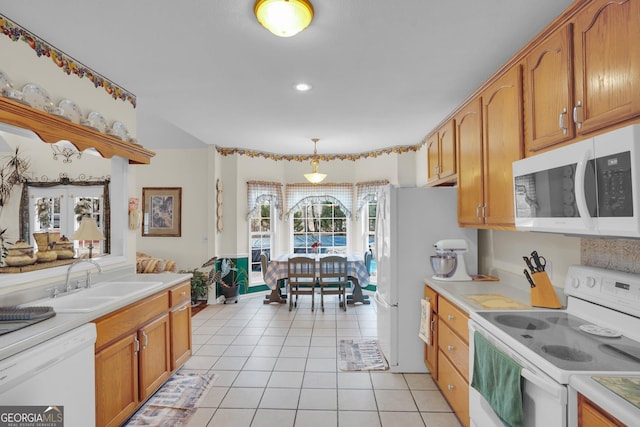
{"x": 303, "y": 87}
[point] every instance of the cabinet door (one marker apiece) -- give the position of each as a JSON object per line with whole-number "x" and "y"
{"x": 117, "y": 381}
{"x": 180, "y": 335}
{"x": 607, "y": 64}
{"x": 590, "y": 415}
{"x": 433, "y": 158}
{"x": 155, "y": 355}
{"x": 431, "y": 351}
{"x": 469, "y": 143}
{"x": 502, "y": 125}
{"x": 447, "y": 147}
{"x": 549, "y": 92}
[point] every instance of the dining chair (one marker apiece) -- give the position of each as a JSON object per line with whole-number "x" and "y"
{"x": 333, "y": 279}
{"x": 302, "y": 279}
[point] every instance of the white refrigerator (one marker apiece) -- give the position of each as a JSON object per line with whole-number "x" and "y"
{"x": 409, "y": 221}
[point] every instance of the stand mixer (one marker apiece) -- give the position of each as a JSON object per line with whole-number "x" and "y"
{"x": 448, "y": 263}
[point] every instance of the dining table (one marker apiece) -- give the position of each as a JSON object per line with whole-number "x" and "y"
{"x": 277, "y": 269}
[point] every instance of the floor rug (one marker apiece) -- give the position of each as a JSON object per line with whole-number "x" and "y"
{"x": 361, "y": 355}
{"x": 174, "y": 402}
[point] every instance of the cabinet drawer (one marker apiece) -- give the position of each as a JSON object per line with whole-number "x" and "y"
{"x": 455, "y": 318}
{"x": 432, "y": 297}
{"x": 456, "y": 350}
{"x": 130, "y": 318}
{"x": 454, "y": 388}
{"x": 180, "y": 293}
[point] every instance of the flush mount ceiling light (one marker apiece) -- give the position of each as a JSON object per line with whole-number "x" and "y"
{"x": 314, "y": 177}
{"x": 303, "y": 87}
{"x": 284, "y": 18}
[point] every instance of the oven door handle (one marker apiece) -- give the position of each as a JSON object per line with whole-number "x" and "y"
{"x": 557, "y": 390}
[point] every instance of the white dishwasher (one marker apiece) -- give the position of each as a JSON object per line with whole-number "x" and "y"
{"x": 59, "y": 372}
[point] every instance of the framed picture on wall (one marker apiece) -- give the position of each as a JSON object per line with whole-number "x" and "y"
{"x": 161, "y": 211}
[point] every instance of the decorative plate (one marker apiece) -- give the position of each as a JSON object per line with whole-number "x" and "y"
{"x": 70, "y": 110}
{"x": 600, "y": 331}
{"x": 95, "y": 121}
{"x": 37, "y": 97}
{"x": 5, "y": 82}
{"x": 119, "y": 131}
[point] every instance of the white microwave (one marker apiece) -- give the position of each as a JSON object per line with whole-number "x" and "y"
{"x": 587, "y": 188}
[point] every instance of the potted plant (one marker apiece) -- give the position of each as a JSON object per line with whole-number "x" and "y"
{"x": 200, "y": 281}
{"x": 232, "y": 279}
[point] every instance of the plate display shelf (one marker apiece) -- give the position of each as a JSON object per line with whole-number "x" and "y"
{"x": 52, "y": 129}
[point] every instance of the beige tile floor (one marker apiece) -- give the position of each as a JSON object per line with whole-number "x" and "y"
{"x": 276, "y": 368}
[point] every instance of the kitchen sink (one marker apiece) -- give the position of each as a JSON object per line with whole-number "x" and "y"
{"x": 97, "y": 297}
{"x": 119, "y": 289}
{"x": 76, "y": 303}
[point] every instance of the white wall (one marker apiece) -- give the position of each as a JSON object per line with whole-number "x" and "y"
{"x": 188, "y": 169}
{"x": 23, "y": 66}
{"x": 503, "y": 250}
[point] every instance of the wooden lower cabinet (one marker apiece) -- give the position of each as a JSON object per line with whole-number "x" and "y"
{"x": 155, "y": 355}
{"x": 591, "y": 415}
{"x": 454, "y": 387}
{"x": 448, "y": 358}
{"x": 117, "y": 381}
{"x": 180, "y": 335}
{"x": 138, "y": 347}
{"x": 431, "y": 351}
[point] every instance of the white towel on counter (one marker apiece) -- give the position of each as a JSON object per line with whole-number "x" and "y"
{"x": 425, "y": 321}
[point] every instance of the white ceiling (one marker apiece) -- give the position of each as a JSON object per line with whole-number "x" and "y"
{"x": 384, "y": 73}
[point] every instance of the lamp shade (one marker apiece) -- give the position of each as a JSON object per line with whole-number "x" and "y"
{"x": 88, "y": 230}
{"x": 284, "y": 18}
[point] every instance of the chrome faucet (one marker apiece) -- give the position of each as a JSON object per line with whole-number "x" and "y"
{"x": 88, "y": 282}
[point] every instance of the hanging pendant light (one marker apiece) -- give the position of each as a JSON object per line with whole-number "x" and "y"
{"x": 284, "y": 18}
{"x": 314, "y": 177}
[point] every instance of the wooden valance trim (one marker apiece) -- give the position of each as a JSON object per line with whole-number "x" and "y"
{"x": 52, "y": 129}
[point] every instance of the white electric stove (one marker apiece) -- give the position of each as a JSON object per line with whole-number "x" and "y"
{"x": 598, "y": 333}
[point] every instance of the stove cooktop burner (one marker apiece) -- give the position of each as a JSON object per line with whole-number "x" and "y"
{"x": 558, "y": 338}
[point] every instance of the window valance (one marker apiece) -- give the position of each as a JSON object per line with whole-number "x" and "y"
{"x": 341, "y": 194}
{"x": 366, "y": 192}
{"x": 260, "y": 191}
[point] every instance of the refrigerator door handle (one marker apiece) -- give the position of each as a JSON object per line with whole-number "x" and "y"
{"x": 380, "y": 300}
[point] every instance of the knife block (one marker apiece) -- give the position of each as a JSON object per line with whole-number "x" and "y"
{"x": 543, "y": 295}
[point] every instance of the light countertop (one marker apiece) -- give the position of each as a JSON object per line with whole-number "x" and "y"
{"x": 32, "y": 335}
{"x": 510, "y": 285}
{"x": 611, "y": 402}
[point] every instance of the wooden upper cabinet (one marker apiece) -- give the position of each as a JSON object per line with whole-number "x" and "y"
{"x": 607, "y": 64}
{"x": 447, "y": 140}
{"x": 502, "y": 138}
{"x": 433, "y": 158}
{"x": 549, "y": 92}
{"x": 469, "y": 146}
{"x": 441, "y": 155}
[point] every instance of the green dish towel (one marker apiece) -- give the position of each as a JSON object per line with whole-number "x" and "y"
{"x": 497, "y": 377}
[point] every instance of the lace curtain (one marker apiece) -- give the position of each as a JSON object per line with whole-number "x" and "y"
{"x": 260, "y": 191}
{"x": 366, "y": 192}
{"x": 299, "y": 194}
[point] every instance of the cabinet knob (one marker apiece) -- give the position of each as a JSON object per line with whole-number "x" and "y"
{"x": 450, "y": 348}
{"x": 450, "y": 317}
{"x": 450, "y": 387}
{"x": 183, "y": 293}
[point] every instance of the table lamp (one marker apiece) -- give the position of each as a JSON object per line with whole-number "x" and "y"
{"x": 88, "y": 230}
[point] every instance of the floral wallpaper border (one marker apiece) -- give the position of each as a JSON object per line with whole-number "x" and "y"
{"x": 69, "y": 65}
{"x": 322, "y": 157}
